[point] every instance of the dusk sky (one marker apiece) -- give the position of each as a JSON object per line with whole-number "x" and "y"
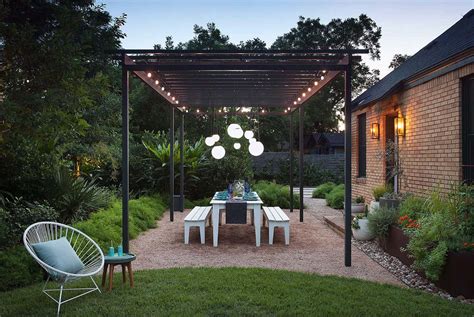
{"x": 406, "y": 25}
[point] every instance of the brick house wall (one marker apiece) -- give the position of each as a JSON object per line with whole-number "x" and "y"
{"x": 431, "y": 150}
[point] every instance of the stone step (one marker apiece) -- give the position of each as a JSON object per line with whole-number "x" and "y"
{"x": 336, "y": 223}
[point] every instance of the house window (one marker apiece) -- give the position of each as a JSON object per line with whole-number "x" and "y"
{"x": 468, "y": 129}
{"x": 362, "y": 145}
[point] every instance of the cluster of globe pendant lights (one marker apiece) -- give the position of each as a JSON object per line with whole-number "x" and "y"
{"x": 234, "y": 131}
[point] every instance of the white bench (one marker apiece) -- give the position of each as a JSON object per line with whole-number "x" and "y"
{"x": 276, "y": 218}
{"x": 196, "y": 218}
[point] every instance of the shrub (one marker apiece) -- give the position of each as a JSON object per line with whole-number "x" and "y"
{"x": 105, "y": 225}
{"x": 381, "y": 220}
{"x": 273, "y": 194}
{"x": 379, "y": 191}
{"x": 18, "y": 268}
{"x": 323, "y": 189}
{"x": 17, "y": 215}
{"x": 75, "y": 198}
{"x": 413, "y": 207}
{"x": 335, "y": 198}
{"x": 201, "y": 202}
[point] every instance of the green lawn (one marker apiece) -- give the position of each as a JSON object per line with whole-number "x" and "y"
{"x": 237, "y": 292}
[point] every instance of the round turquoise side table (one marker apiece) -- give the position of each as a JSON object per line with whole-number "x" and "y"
{"x": 111, "y": 261}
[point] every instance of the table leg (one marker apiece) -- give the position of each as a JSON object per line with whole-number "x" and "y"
{"x": 130, "y": 273}
{"x": 215, "y": 224}
{"x": 257, "y": 218}
{"x": 111, "y": 276}
{"x": 104, "y": 275}
{"x": 124, "y": 278}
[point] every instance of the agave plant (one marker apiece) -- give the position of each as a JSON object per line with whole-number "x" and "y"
{"x": 75, "y": 198}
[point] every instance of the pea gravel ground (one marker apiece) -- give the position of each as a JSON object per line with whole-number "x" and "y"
{"x": 313, "y": 248}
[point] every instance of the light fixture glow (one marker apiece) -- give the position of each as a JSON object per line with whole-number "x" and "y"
{"x": 237, "y": 146}
{"x": 256, "y": 148}
{"x": 374, "y": 131}
{"x": 315, "y": 83}
{"x": 177, "y": 101}
{"x": 286, "y": 111}
{"x": 299, "y": 99}
{"x": 168, "y": 93}
{"x": 156, "y": 82}
{"x": 218, "y": 152}
{"x": 209, "y": 141}
{"x": 149, "y": 75}
{"x": 322, "y": 77}
{"x": 173, "y": 98}
{"x": 309, "y": 89}
{"x": 248, "y": 134}
{"x": 400, "y": 125}
{"x": 197, "y": 110}
{"x": 163, "y": 88}
{"x": 304, "y": 94}
{"x": 263, "y": 110}
{"x": 324, "y": 72}
{"x": 235, "y": 131}
{"x": 294, "y": 102}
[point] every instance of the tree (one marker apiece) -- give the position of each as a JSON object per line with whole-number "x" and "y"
{"x": 59, "y": 89}
{"x": 398, "y": 59}
{"x": 323, "y": 111}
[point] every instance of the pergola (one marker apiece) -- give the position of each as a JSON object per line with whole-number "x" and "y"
{"x": 194, "y": 80}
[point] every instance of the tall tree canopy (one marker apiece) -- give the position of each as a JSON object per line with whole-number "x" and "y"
{"x": 398, "y": 59}
{"x": 60, "y": 90}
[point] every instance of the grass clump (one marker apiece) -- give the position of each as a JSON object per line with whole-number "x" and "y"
{"x": 335, "y": 198}
{"x": 323, "y": 189}
{"x": 105, "y": 225}
{"x": 273, "y": 194}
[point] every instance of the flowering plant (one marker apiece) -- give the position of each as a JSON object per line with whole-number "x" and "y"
{"x": 407, "y": 222}
{"x": 468, "y": 245}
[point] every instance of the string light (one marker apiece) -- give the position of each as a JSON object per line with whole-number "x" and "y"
{"x": 168, "y": 94}
{"x": 156, "y": 82}
{"x": 294, "y": 102}
{"x": 173, "y": 98}
{"x": 149, "y": 75}
{"x": 289, "y": 108}
{"x": 322, "y": 77}
{"x": 315, "y": 83}
{"x": 286, "y": 111}
{"x": 324, "y": 72}
{"x": 197, "y": 110}
{"x": 299, "y": 99}
{"x": 304, "y": 94}
{"x": 263, "y": 110}
{"x": 163, "y": 88}
{"x": 177, "y": 101}
{"x": 309, "y": 88}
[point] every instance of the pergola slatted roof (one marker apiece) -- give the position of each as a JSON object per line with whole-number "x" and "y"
{"x": 237, "y": 78}
{"x": 241, "y": 78}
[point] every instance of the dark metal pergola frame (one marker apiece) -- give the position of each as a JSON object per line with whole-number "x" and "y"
{"x": 204, "y": 79}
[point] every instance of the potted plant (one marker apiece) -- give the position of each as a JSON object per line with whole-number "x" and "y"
{"x": 358, "y": 205}
{"x": 390, "y": 200}
{"x": 377, "y": 192}
{"x": 360, "y": 228}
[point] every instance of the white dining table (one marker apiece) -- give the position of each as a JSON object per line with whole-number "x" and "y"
{"x": 255, "y": 205}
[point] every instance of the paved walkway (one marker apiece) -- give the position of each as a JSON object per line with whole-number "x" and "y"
{"x": 313, "y": 248}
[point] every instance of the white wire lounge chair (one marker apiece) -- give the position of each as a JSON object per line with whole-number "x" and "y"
{"x": 86, "y": 249}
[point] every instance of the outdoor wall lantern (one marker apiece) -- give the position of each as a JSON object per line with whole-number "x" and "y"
{"x": 375, "y": 131}
{"x": 400, "y": 125}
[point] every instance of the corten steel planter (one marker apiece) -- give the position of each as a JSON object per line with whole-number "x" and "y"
{"x": 395, "y": 240}
{"x": 389, "y": 203}
{"x": 457, "y": 277}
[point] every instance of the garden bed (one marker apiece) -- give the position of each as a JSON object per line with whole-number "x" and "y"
{"x": 457, "y": 277}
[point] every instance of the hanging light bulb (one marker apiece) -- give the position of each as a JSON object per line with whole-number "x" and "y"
{"x": 220, "y": 110}
{"x": 197, "y": 110}
{"x": 157, "y": 82}
{"x": 322, "y": 77}
{"x": 168, "y": 94}
{"x": 218, "y": 152}
{"x": 289, "y": 108}
{"x": 299, "y": 99}
{"x": 263, "y": 110}
{"x": 309, "y": 89}
{"x": 315, "y": 83}
{"x": 177, "y": 101}
{"x": 256, "y": 148}
{"x": 304, "y": 94}
{"x": 163, "y": 88}
{"x": 324, "y": 71}
{"x": 209, "y": 141}
{"x": 235, "y": 131}
{"x": 173, "y": 98}
{"x": 286, "y": 111}
{"x": 149, "y": 75}
{"x": 294, "y": 102}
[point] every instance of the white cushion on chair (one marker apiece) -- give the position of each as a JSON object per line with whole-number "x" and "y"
{"x": 59, "y": 254}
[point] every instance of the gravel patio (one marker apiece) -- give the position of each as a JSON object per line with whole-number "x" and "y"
{"x": 313, "y": 248}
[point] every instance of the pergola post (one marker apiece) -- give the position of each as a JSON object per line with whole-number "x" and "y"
{"x": 172, "y": 164}
{"x": 301, "y": 167}
{"x": 181, "y": 158}
{"x": 348, "y": 163}
{"x": 291, "y": 161}
{"x": 125, "y": 158}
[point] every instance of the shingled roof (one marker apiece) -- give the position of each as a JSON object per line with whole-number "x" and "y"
{"x": 457, "y": 39}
